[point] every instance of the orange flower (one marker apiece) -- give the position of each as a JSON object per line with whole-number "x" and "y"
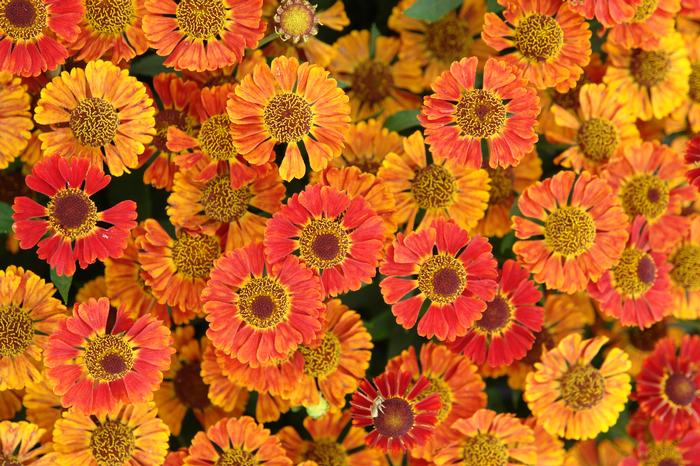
{"x": 652, "y": 20}
{"x": 608, "y": 12}
{"x": 367, "y": 143}
{"x": 15, "y": 119}
{"x": 685, "y": 276}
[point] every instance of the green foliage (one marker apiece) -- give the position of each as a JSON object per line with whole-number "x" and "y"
{"x": 405, "y": 119}
{"x": 431, "y": 10}
{"x": 5, "y": 218}
{"x": 62, "y": 284}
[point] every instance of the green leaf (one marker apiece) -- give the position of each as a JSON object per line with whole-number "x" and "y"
{"x": 62, "y": 284}
{"x": 379, "y": 326}
{"x": 342, "y": 84}
{"x": 431, "y": 10}
{"x": 373, "y": 34}
{"x": 405, "y": 119}
{"x": 5, "y": 218}
{"x": 149, "y": 65}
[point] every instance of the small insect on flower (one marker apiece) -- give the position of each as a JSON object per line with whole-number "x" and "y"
{"x": 377, "y": 407}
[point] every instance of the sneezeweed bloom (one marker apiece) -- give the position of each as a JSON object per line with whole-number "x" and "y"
{"x": 291, "y": 104}
{"x": 640, "y": 343}
{"x": 20, "y": 443}
{"x": 692, "y": 159}
{"x": 15, "y": 118}
{"x": 99, "y": 358}
{"x": 114, "y": 124}
{"x": 550, "y": 449}
{"x": 42, "y": 406}
{"x": 685, "y": 272}
{"x": 572, "y": 229}
{"x": 223, "y": 392}
{"x": 397, "y": 409}
{"x": 443, "y": 267}
{"x": 459, "y": 116}
{"x": 201, "y": 35}
{"x": 425, "y": 183}
{"x": 661, "y": 450}
{"x": 550, "y": 43}
{"x": 652, "y": 20}
{"x": 95, "y": 288}
{"x": 608, "y": 12}
{"x": 338, "y": 237}
{"x": 687, "y": 115}
{"x": 570, "y": 396}
{"x": 74, "y": 226}
{"x": 367, "y": 143}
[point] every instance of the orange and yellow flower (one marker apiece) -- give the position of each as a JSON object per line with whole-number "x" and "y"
{"x": 21, "y": 443}
{"x": 685, "y": 279}
{"x": 367, "y": 143}
{"x": 608, "y": 12}
{"x": 15, "y": 119}
{"x": 652, "y": 20}
{"x": 42, "y": 406}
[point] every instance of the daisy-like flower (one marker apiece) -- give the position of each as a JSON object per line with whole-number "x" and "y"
{"x": 570, "y": 396}
{"x": 608, "y": 12}
{"x": 650, "y": 182}
{"x": 451, "y": 272}
{"x": 367, "y": 143}
{"x": 114, "y": 124}
{"x": 428, "y": 186}
{"x": 339, "y": 237}
{"x": 129, "y": 435}
{"x": 572, "y": 229}
{"x": 650, "y": 83}
{"x": 685, "y": 272}
{"x": 505, "y": 332}
{"x": 15, "y": 119}
{"x": 74, "y": 226}
{"x": 201, "y": 35}
{"x": 459, "y": 116}
{"x": 598, "y": 130}
{"x": 20, "y": 443}
{"x": 99, "y": 358}
{"x": 550, "y": 449}
{"x": 661, "y": 450}
{"x": 548, "y": 42}
{"x": 223, "y": 392}
{"x": 236, "y": 441}
{"x": 687, "y": 115}
{"x": 639, "y": 343}
{"x": 380, "y": 83}
{"x": 291, "y": 104}
{"x": 33, "y": 34}
{"x": 95, "y": 288}
{"x": 490, "y": 438}
{"x": 257, "y": 310}
{"x": 652, "y": 20}
{"x": 692, "y": 159}
{"x": 397, "y": 409}
{"x": 42, "y": 406}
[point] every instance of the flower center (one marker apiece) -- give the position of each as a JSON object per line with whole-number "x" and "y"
{"x": 646, "y": 339}
{"x": 582, "y": 387}
{"x": 543, "y": 341}
{"x": 442, "y": 278}
{"x": 480, "y": 113}
{"x": 497, "y": 315}
{"x": 236, "y": 457}
{"x": 686, "y": 267}
{"x": 296, "y": 19}
{"x": 110, "y": 16}
{"x": 694, "y": 83}
{"x": 449, "y": 39}
{"x": 108, "y": 357}
{"x": 635, "y": 273}
{"x": 569, "y": 231}
{"x": 323, "y": 243}
{"x": 323, "y": 359}
{"x": 433, "y": 187}
{"x": 649, "y": 68}
{"x": 680, "y": 389}
{"x": 223, "y": 203}
{"x": 215, "y": 138}
{"x": 189, "y": 386}
{"x": 72, "y": 213}
{"x": 501, "y": 184}
{"x": 439, "y": 386}
{"x": 569, "y": 99}
{"x": 644, "y": 10}
{"x": 9, "y": 460}
{"x": 484, "y": 449}
{"x": 16, "y": 331}
{"x": 646, "y": 195}
{"x": 194, "y": 255}
{"x": 263, "y": 302}
{"x": 201, "y": 19}
{"x": 164, "y": 120}
{"x": 372, "y": 81}
{"x": 288, "y": 117}
{"x": 598, "y": 139}
{"x": 23, "y": 19}
{"x": 663, "y": 454}
{"x": 539, "y": 37}
{"x": 94, "y": 122}
{"x": 327, "y": 453}
{"x": 112, "y": 443}
{"x": 395, "y": 418}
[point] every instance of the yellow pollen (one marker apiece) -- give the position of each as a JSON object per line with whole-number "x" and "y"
{"x": 223, "y": 203}
{"x": 23, "y": 19}
{"x": 644, "y": 10}
{"x": 326, "y": 453}
{"x": 539, "y": 37}
{"x": 433, "y": 187}
{"x": 94, "y": 122}
{"x": 323, "y": 243}
{"x": 694, "y": 83}
{"x": 112, "y": 443}
{"x": 442, "y": 278}
{"x": 296, "y": 19}
{"x": 263, "y": 302}
{"x": 111, "y": 17}
{"x": 598, "y": 139}
{"x": 484, "y": 449}
{"x": 569, "y": 231}
{"x": 663, "y": 454}
{"x": 582, "y": 387}
{"x": 72, "y": 214}
{"x": 194, "y": 255}
{"x": 201, "y": 19}
{"x": 372, "y": 81}
{"x": 686, "y": 267}
{"x": 236, "y": 457}
{"x": 646, "y": 195}
{"x": 449, "y": 38}
{"x": 16, "y": 331}
{"x": 215, "y": 138}
{"x": 480, "y": 114}
{"x": 501, "y": 184}
{"x": 288, "y": 117}
{"x": 108, "y": 357}
{"x": 439, "y": 386}
{"x": 324, "y": 358}
{"x": 635, "y": 273}
{"x": 649, "y": 68}
{"x": 497, "y": 316}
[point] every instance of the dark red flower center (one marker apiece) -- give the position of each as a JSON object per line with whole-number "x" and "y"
{"x": 668, "y": 462}
{"x": 71, "y": 211}
{"x": 326, "y": 246}
{"x": 646, "y": 270}
{"x": 646, "y": 339}
{"x": 543, "y": 341}
{"x": 262, "y": 307}
{"x": 680, "y": 389}
{"x": 395, "y": 418}
{"x": 21, "y": 13}
{"x": 446, "y": 282}
{"x": 113, "y": 364}
{"x": 372, "y": 81}
{"x": 189, "y": 386}
{"x": 496, "y": 315}
{"x": 653, "y": 195}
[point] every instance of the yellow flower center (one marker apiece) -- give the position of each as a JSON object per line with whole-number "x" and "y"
{"x": 327, "y": 453}
{"x": 501, "y": 184}
{"x": 112, "y": 443}
{"x": 694, "y": 82}
{"x": 108, "y": 357}
{"x": 646, "y": 195}
{"x": 236, "y": 457}
{"x": 649, "y": 68}
{"x": 72, "y": 214}
{"x": 483, "y": 449}
{"x": 372, "y": 81}
{"x": 323, "y": 243}
{"x": 111, "y": 17}
{"x": 439, "y": 386}
{"x": 263, "y": 302}
{"x": 296, "y": 19}
{"x": 680, "y": 389}
{"x": 449, "y": 39}
{"x": 635, "y": 273}
{"x": 644, "y": 10}
{"x": 164, "y": 120}
{"x": 497, "y": 316}
{"x": 201, "y": 19}
{"x": 23, "y": 19}
{"x": 324, "y": 358}
{"x": 480, "y": 113}
{"x": 223, "y": 203}
{"x": 16, "y": 331}
{"x": 569, "y": 231}
{"x": 663, "y": 454}
{"x": 194, "y": 255}
{"x": 189, "y": 386}
{"x": 94, "y": 122}
{"x": 288, "y": 117}
{"x": 394, "y": 418}
{"x": 433, "y": 187}
{"x": 582, "y": 387}
{"x": 645, "y": 340}
{"x": 539, "y": 37}
{"x": 215, "y": 138}
{"x": 442, "y": 278}
{"x": 686, "y": 267}
{"x": 598, "y": 139}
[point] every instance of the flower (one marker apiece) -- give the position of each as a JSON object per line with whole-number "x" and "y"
{"x": 70, "y": 217}
{"x": 550, "y": 450}
{"x": 652, "y": 20}
{"x": 685, "y": 276}
{"x": 288, "y": 103}
{"x": 459, "y": 116}
{"x": 572, "y": 229}
{"x": 222, "y": 392}
{"x": 367, "y": 143}
{"x": 99, "y": 358}
{"x": 505, "y": 332}
{"x": 445, "y": 268}
{"x": 692, "y": 159}
{"x": 201, "y": 35}
{"x": 572, "y": 398}
{"x": 15, "y": 119}
{"x": 257, "y": 310}
{"x": 661, "y": 451}
{"x": 42, "y": 406}
{"x": 687, "y": 115}
{"x": 608, "y": 12}
{"x": 11, "y": 401}
{"x": 20, "y": 443}
{"x": 339, "y": 237}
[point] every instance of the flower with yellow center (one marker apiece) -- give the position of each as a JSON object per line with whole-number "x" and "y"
{"x": 15, "y": 119}
{"x": 22, "y": 443}
{"x": 652, "y": 21}
{"x": 685, "y": 278}
{"x": 296, "y": 20}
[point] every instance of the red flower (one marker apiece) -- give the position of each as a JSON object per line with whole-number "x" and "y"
{"x": 692, "y": 158}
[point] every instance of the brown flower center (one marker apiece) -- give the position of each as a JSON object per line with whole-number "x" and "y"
{"x": 686, "y": 267}
{"x": 23, "y": 19}
{"x": 201, "y": 19}
{"x": 635, "y": 273}
{"x": 236, "y": 457}
{"x": 649, "y": 68}
{"x": 223, "y": 203}
{"x": 395, "y": 418}
{"x": 6, "y": 460}
{"x": 327, "y": 453}
{"x": 72, "y": 213}
{"x": 664, "y": 454}
{"x": 296, "y": 19}
{"x": 323, "y": 243}
{"x": 582, "y": 387}
{"x": 694, "y": 83}
{"x": 111, "y": 17}
{"x": 497, "y": 315}
{"x": 646, "y": 339}
{"x": 644, "y": 10}
{"x": 646, "y": 195}
{"x": 543, "y": 342}
{"x": 598, "y": 139}
{"x": 189, "y": 386}
{"x": 288, "y": 117}
{"x": 680, "y": 389}
{"x": 569, "y": 231}
{"x": 112, "y": 443}
{"x": 372, "y": 81}
{"x": 94, "y": 122}
{"x": 483, "y": 449}
{"x": 442, "y": 278}
{"x": 322, "y": 359}
{"x": 480, "y": 113}
{"x": 501, "y": 184}
{"x": 194, "y": 256}
{"x": 433, "y": 187}
{"x": 263, "y": 302}
{"x": 449, "y": 38}
{"x": 539, "y": 37}
{"x": 164, "y": 120}
{"x": 108, "y": 357}
{"x": 215, "y": 138}
{"x": 16, "y": 331}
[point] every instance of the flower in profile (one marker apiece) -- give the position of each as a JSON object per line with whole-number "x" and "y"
{"x": 128, "y": 434}
{"x": 15, "y": 118}
{"x": 201, "y": 35}
{"x": 692, "y": 159}
{"x": 608, "y": 12}
{"x": 459, "y": 116}
{"x": 74, "y": 226}
{"x": 291, "y": 104}
{"x": 570, "y": 396}
{"x": 570, "y": 231}
{"x": 20, "y": 443}
{"x": 367, "y": 143}
{"x": 685, "y": 272}
{"x": 443, "y": 267}
{"x": 339, "y": 237}
{"x": 99, "y": 358}
{"x": 652, "y": 20}
{"x": 114, "y": 124}
{"x": 397, "y": 409}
